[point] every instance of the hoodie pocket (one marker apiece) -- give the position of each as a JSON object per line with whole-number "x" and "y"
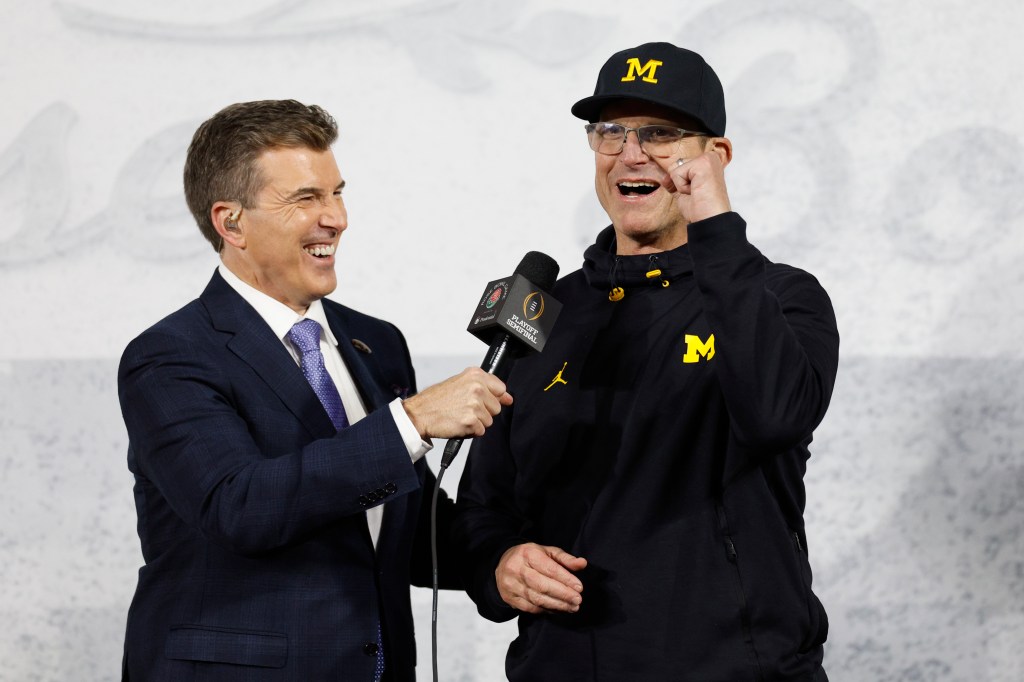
{"x": 732, "y": 555}
{"x": 817, "y": 632}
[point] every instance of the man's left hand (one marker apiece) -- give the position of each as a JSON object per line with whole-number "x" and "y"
{"x": 699, "y": 183}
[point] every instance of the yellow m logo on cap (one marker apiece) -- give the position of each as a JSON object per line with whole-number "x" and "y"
{"x": 696, "y": 349}
{"x": 636, "y": 70}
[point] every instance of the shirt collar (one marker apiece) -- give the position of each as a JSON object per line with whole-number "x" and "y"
{"x": 277, "y": 315}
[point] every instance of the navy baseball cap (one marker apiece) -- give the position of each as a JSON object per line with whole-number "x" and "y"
{"x": 664, "y": 74}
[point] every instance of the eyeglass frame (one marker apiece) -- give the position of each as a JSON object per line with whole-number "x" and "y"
{"x": 684, "y": 134}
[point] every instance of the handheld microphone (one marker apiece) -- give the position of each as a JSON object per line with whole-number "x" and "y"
{"x": 515, "y": 315}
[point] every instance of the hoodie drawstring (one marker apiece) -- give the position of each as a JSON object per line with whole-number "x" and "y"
{"x": 655, "y": 271}
{"x": 617, "y": 293}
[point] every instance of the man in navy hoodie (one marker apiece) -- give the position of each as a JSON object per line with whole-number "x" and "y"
{"x": 640, "y": 507}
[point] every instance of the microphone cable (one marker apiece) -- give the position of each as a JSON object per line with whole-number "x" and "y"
{"x": 433, "y": 567}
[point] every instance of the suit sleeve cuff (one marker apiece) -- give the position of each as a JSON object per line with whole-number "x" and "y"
{"x": 416, "y": 446}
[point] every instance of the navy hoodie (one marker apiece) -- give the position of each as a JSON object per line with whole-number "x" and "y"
{"x": 663, "y": 437}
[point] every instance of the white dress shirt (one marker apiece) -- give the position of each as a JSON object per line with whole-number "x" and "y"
{"x": 280, "y": 318}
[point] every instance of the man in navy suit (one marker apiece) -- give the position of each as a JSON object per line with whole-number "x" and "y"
{"x": 281, "y": 527}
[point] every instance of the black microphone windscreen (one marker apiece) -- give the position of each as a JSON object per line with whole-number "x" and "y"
{"x": 539, "y": 268}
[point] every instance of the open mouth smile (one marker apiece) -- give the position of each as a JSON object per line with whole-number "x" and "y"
{"x": 320, "y": 250}
{"x": 637, "y": 187}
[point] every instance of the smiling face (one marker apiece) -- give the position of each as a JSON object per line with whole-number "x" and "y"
{"x": 631, "y": 186}
{"x": 284, "y": 244}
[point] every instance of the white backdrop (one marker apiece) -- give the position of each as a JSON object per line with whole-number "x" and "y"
{"x": 877, "y": 145}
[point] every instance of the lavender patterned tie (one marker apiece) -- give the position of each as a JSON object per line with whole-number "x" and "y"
{"x": 378, "y": 671}
{"x": 305, "y": 335}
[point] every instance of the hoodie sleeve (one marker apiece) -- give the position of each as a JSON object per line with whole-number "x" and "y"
{"x": 776, "y": 342}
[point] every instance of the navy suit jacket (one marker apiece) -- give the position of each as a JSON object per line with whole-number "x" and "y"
{"x": 259, "y": 564}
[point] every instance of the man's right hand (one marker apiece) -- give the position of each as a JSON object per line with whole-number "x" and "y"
{"x": 537, "y": 579}
{"x": 459, "y": 407}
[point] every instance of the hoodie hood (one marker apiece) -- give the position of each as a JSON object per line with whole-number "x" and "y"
{"x": 605, "y": 270}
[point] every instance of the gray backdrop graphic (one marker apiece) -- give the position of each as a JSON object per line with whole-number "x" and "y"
{"x": 877, "y": 145}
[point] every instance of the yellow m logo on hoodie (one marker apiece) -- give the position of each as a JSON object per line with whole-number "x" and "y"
{"x": 695, "y": 348}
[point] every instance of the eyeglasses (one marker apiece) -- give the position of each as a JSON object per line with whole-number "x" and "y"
{"x": 655, "y": 140}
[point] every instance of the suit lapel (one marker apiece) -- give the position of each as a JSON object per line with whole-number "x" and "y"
{"x": 360, "y": 365}
{"x": 253, "y": 342}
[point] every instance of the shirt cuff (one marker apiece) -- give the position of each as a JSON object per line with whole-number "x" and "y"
{"x": 416, "y": 446}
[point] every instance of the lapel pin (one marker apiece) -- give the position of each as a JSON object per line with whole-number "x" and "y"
{"x": 361, "y": 347}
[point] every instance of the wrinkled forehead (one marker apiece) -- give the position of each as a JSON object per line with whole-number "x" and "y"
{"x": 632, "y": 109}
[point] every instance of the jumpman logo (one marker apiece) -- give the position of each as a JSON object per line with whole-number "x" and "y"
{"x": 558, "y": 377}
